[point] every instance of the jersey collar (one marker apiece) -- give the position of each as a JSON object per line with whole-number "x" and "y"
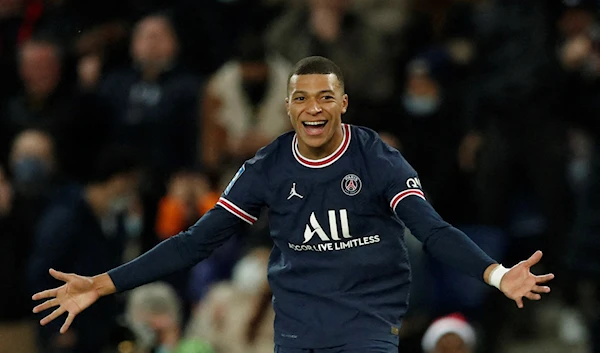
{"x": 329, "y": 160}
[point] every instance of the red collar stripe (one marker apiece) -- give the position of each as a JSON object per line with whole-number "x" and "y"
{"x": 232, "y": 208}
{"x": 324, "y": 162}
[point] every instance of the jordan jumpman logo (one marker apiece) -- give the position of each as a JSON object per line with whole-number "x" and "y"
{"x": 294, "y": 193}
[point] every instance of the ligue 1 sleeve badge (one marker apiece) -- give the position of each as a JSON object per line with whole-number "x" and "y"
{"x": 351, "y": 184}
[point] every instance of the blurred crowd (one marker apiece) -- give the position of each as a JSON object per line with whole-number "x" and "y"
{"x": 121, "y": 121}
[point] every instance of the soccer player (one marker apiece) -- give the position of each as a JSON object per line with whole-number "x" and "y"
{"x": 339, "y": 200}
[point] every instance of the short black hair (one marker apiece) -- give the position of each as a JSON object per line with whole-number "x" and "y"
{"x": 317, "y": 65}
{"x": 115, "y": 159}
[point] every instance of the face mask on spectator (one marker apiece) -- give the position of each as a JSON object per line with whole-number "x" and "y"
{"x": 421, "y": 105}
{"x": 255, "y": 90}
{"x": 133, "y": 225}
{"x": 30, "y": 174}
{"x": 120, "y": 204}
{"x": 145, "y": 335}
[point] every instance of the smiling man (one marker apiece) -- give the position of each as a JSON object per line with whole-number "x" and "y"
{"x": 315, "y": 104}
{"x": 339, "y": 201}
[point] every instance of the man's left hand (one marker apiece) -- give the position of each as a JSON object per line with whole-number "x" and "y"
{"x": 519, "y": 282}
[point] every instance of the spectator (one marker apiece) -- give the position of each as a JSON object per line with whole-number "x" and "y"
{"x": 18, "y": 19}
{"x": 15, "y": 236}
{"x": 190, "y": 195}
{"x": 33, "y": 163}
{"x": 154, "y": 108}
{"x": 76, "y": 121}
{"x": 154, "y": 102}
{"x": 243, "y": 109}
{"x": 44, "y": 99}
{"x": 154, "y": 314}
{"x": 428, "y": 107}
{"x": 236, "y": 316}
{"x": 449, "y": 334}
{"x": 331, "y": 29}
{"x": 34, "y": 179}
{"x": 82, "y": 230}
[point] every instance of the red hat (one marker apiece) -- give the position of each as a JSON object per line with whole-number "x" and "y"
{"x": 454, "y": 323}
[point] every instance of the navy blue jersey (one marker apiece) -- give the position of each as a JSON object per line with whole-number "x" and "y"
{"x": 339, "y": 270}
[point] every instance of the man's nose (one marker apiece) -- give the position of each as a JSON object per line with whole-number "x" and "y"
{"x": 314, "y": 108}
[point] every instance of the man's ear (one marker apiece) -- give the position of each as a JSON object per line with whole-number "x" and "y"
{"x": 344, "y": 103}
{"x": 287, "y": 106}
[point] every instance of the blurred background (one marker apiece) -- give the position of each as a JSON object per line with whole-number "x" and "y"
{"x": 122, "y": 120}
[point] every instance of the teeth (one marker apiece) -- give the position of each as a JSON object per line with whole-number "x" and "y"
{"x": 314, "y": 123}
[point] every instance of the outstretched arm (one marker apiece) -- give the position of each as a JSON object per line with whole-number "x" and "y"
{"x": 447, "y": 243}
{"x": 451, "y": 246}
{"x": 174, "y": 254}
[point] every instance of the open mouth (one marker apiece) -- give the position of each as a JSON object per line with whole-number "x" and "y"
{"x": 314, "y": 127}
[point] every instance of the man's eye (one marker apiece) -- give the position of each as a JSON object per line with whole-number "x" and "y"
{"x": 299, "y": 99}
{"x": 327, "y": 97}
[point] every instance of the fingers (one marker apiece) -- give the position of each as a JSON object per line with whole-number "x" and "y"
{"x": 46, "y": 305}
{"x": 533, "y": 296}
{"x": 544, "y": 278}
{"x": 56, "y": 313}
{"x": 534, "y": 259}
{"x": 541, "y": 289}
{"x": 519, "y": 302}
{"x": 67, "y": 323}
{"x": 48, "y": 293}
{"x": 61, "y": 276}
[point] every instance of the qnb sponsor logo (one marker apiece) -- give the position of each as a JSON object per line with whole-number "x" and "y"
{"x": 413, "y": 183}
{"x": 334, "y": 241}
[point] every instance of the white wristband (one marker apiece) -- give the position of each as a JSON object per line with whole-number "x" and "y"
{"x": 497, "y": 274}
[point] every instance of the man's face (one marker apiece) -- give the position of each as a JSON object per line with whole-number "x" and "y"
{"x": 123, "y": 188}
{"x": 451, "y": 343}
{"x": 315, "y": 105}
{"x": 40, "y": 68}
{"x": 32, "y": 144}
{"x": 154, "y": 42}
{"x": 574, "y": 22}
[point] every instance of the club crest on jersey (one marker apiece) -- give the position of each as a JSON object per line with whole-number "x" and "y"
{"x": 351, "y": 184}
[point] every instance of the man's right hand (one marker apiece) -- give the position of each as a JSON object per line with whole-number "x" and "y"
{"x": 77, "y": 294}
